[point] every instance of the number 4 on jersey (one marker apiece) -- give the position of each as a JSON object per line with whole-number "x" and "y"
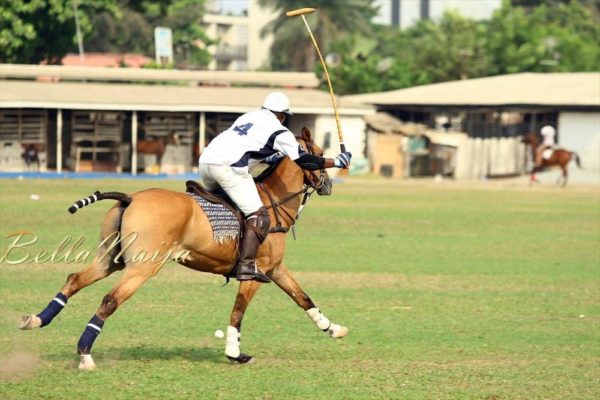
{"x": 243, "y": 129}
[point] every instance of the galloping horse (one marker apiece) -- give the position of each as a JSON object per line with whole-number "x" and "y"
{"x": 174, "y": 223}
{"x": 560, "y": 157}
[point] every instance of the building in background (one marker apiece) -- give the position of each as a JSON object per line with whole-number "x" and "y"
{"x": 495, "y": 112}
{"x": 80, "y": 119}
{"x": 230, "y": 53}
{"x": 405, "y": 13}
{"x": 237, "y": 26}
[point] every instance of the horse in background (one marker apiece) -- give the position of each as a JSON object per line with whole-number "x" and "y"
{"x": 158, "y": 146}
{"x": 560, "y": 157}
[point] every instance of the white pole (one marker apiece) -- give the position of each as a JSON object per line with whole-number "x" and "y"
{"x": 59, "y": 154}
{"x": 202, "y": 132}
{"x": 134, "y": 137}
{"x": 78, "y": 29}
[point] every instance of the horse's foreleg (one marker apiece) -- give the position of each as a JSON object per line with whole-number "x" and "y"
{"x": 533, "y": 177}
{"x": 565, "y": 175}
{"x": 130, "y": 282}
{"x": 246, "y": 292}
{"x": 284, "y": 279}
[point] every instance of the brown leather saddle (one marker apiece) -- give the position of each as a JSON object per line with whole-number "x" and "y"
{"x": 216, "y": 197}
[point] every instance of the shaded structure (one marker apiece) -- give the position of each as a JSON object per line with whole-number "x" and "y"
{"x": 496, "y": 111}
{"x": 95, "y": 125}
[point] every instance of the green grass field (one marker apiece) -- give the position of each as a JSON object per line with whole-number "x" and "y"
{"x": 450, "y": 291}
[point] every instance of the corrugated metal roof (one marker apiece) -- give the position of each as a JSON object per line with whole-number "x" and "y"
{"x": 129, "y": 97}
{"x": 553, "y": 89}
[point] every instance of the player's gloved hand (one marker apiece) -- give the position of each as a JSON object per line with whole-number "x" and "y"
{"x": 274, "y": 158}
{"x": 343, "y": 160}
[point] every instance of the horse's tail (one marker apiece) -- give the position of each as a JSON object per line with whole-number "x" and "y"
{"x": 97, "y": 196}
{"x": 577, "y": 160}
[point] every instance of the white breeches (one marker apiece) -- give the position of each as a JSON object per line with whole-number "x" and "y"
{"x": 236, "y": 182}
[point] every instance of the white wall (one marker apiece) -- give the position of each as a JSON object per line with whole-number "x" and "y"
{"x": 410, "y": 10}
{"x": 476, "y": 9}
{"x": 258, "y": 47}
{"x": 580, "y": 132}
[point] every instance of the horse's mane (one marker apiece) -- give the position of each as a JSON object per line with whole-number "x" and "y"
{"x": 263, "y": 175}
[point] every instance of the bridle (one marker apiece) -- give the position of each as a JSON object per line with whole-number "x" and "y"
{"x": 309, "y": 187}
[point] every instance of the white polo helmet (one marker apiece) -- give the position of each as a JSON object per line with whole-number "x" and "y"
{"x": 277, "y": 102}
{"x": 548, "y": 131}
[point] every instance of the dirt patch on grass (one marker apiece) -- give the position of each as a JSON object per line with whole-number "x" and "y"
{"x": 17, "y": 366}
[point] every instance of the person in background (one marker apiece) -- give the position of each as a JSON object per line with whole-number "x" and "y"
{"x": 548, "y": 134}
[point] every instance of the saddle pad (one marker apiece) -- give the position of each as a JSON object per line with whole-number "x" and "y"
{"x": 225, "y": 224}
{"x": 547, "y": 154}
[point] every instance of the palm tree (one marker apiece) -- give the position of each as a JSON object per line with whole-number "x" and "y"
{"x": 292, "y": 49}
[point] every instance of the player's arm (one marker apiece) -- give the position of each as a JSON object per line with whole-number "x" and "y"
{"x": 286, "y": 143}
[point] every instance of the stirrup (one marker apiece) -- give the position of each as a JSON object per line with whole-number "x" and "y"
{"x": 246, "y": 274}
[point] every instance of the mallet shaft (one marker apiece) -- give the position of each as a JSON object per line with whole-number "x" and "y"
{"x": 335, "y": 111}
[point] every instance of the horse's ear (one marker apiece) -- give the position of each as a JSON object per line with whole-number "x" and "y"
{"x": 306, "y": 135}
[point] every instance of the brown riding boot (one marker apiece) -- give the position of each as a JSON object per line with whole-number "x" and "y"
{"x": 257, "y": 228}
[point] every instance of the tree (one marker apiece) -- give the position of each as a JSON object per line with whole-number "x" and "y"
{"x": 451, "y": 49}
{"x": 132, "y": 29}
{"x": 333, "y": 18}
{"x": 542, "y": 39}
{"x": 37, "y": 30}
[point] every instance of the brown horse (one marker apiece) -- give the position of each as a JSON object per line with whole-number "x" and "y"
{"x": 559, "y": 157}
{"x": 158, "y": 146}
{"x": 174, "y": 223}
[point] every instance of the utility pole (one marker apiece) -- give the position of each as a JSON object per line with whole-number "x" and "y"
{"x": 79, "y": 38}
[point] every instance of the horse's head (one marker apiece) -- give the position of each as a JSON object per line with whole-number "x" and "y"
{"x": 319, "y": 180}
{"x": 530, "y": 138}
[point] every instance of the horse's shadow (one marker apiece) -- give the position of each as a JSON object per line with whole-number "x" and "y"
{"x": 152, "y": 353}
{"x": 193, "y": 354}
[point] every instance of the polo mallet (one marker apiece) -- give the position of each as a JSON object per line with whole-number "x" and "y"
{"x": 301, "y": 12}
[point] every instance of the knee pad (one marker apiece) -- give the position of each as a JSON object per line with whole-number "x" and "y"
{"x": 259, "y": 222}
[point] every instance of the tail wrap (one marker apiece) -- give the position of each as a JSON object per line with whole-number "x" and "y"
{"x": 97, "y": 196}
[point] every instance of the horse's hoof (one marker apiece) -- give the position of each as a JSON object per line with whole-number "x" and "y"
{"x": 241, "y": 359}
{"x": 337, "y": 331}
{"x": 29, "y": 321}
{"x": 86, "y": 363}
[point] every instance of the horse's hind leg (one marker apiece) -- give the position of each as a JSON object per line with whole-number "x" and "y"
{"x": 565, "y": 175}
{"x": 246, "y": 292}
{"x": 284, "y": 279}
{"x": 103, "y": 265}
{"x": 135, "y": 275}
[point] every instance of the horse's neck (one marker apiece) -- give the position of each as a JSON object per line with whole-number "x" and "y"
{"x": 286, "y": 180}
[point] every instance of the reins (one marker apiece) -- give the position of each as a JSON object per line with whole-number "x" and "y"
{"x": 307, "y": 190}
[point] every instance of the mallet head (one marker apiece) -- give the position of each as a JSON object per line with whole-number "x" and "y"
{"x": 300, "y": 11}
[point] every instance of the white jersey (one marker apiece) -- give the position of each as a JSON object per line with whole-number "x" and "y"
{"x": 548, "y": 140}
{"x": 252, "y": 137}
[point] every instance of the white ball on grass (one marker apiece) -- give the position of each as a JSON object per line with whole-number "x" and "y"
{"x": 219, "y": 334}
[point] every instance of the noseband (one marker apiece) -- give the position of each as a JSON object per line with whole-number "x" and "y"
{"x": 319, "y": 180}
{"x": 310, "y": 186}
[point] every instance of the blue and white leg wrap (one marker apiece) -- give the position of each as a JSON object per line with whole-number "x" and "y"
{"x": 52, "y": 309}
{"x": 89, "y": 335}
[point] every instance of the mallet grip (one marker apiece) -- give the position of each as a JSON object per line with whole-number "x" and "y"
{"x": 300, "y": 11}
